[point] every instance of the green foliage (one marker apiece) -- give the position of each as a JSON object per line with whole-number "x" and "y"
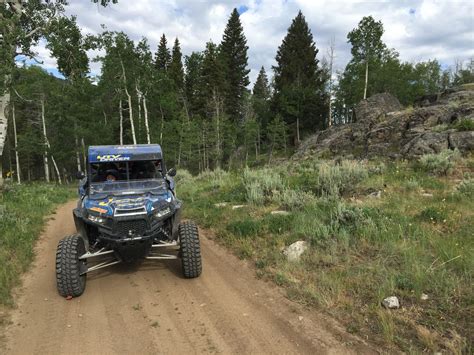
{"x": 233, "y": 52}
{"x": 441, "y": 163}
{"x": 261, "y": 99}
{"x": 299, "y": 95}
{"x": 432, "y": 214}
{"x": 163, "y": 56}
{"x": 466, "y": 187}
{"x": 337, "y": 179}
{"x": 176, "y": 71}
{"x": 245, "y": 228}
{"x": 261, "y": 185}
{"x": 464, "y": 125}
{"x": 366, "y": 40}
{"x": 277, "y": 134}
{"x": 22, "y": 211}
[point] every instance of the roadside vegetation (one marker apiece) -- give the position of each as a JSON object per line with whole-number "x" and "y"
{"x": 374, "y": 230}
{"x": 22, "y": 212}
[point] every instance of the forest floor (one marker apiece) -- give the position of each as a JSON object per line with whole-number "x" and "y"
{"x": 150, "y": 308}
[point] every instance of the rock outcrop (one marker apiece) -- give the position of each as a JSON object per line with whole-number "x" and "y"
{"x": 382, "y": 128}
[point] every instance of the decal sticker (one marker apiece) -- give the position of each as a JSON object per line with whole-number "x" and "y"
{"x": 112, "y": 157}
{"x": 98, "y": 209}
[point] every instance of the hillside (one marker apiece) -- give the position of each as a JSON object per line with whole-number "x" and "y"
{"x": 343, "y": 235}
{"x": 383, "y": 128}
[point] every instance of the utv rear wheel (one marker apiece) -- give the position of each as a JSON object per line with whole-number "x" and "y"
{"x": 70, "y": 276}
{"x": 190, "y": 250}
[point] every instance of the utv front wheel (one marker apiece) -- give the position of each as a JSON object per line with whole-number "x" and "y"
{"x": 70, "y": 276}
{"x": 190, "y": 250}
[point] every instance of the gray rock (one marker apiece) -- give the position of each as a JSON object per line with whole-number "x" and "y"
{"x": 294, "y": 251}
{"x": 382, "y": 128}
{"x": 375, "y": 107}
{"x": 391, "y": 302}
{"x": 220, "y": 204}
{"x": 464, "y": 141}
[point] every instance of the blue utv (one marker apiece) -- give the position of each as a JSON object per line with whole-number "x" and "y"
{"x": 127, "y": 211}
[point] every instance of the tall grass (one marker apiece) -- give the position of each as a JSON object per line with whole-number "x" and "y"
{"x": 22, "y": 211}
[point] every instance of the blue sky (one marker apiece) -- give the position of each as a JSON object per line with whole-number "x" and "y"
{"x": 418, "y": 30}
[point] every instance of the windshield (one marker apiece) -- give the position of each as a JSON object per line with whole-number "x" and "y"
{"x": 102, "y": 189}
{"x": 129, "y": 177}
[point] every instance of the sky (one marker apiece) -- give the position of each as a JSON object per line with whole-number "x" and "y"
{"x": 418, "y": 30}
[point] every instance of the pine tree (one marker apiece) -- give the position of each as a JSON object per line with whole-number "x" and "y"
{"x": 299, "y": 86}
{"x": 176, "y": 71}
{"x": 211, "y": 82}
{"x": 191, "y": 81}
{"x": 234, "y": 56}
{"x": 261, "y": 98}
{"x": 163, "y": 56}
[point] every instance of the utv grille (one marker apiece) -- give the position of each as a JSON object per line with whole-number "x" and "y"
{"x": 131, "y": 228}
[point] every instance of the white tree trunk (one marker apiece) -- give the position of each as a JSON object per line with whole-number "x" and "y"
{"x": 55, "y": 167}
{"x": 84, "y": 154}
{"x": 130, "y": 108}
{"x": 17, "y": 158}
{"x": 78, "y": 156}
{"x": 297, "y": 130}
{"x": 366, "y": 78}
{"x": 45, "y": 138}
{"x": 48, "y": 147}
{"x": 162, "y": 124}
{"x": 218, "y": 129}
{"x": 4, "y": 102}
{"x": 139, "y": 99}
{"x": 121, "y": 121}
{"x": 145, "y": 112}
{"x": 331, "y": 66}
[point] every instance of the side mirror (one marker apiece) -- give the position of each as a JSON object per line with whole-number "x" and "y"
{"x": 172, "y": 172}
{"x": 80, "y": 175}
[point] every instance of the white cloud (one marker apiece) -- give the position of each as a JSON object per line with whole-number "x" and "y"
{"x": 418, "y": 30}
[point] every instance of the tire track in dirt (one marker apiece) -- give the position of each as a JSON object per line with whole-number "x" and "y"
{"x": 149, "y": 308}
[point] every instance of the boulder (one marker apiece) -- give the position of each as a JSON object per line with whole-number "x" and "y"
{"x": 375, "y": 107}
{"x": 463, "y": 141}
{"x": 294, "y": 251}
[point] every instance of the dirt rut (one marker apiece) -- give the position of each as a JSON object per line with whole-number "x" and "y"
{"x": 150, "y": 308}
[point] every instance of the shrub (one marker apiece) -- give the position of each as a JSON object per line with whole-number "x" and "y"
{"x": 411, "y": 184}
{"x": 335, "y": 180}
{"x": 465, "y": 124}
{"x": 293, "y": 199}
{"x": 441, "y": 163}
{"x": 216, "y": 177}
{"x": 183, "y": 175}
{"x": 466, "y": 187}
{"x": 261, "y": 185}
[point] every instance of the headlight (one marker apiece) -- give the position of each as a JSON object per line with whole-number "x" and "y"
{"x": 96, "y": 219}
{"x": 163, "y": 212}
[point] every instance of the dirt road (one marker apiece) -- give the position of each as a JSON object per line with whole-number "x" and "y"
{"x": 150, "y": 308}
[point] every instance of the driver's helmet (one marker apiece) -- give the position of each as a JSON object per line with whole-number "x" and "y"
{"x": 111, "y": 175}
